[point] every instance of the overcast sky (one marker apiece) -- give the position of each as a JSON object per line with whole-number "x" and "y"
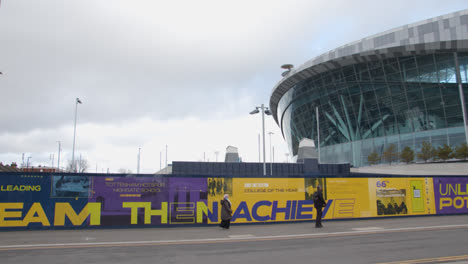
{"x": 151, "y": 73}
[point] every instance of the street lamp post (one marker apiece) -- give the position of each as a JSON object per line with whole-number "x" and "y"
{"x": 266, "y": 111}
{"x": 271, "y": 154}
{"x": 27, "y": 163}
{"x": 74, "y": 134}
{"x": 259, "y": 156}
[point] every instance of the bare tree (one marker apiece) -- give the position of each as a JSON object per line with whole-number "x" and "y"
{"x": 80, "y": 166}
{"x": 125, "y": 171}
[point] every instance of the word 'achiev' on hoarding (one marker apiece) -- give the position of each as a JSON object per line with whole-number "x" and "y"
{"x": 11, "y": 214}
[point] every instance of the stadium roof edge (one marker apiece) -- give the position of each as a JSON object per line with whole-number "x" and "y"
{"x": 446, "y": 32}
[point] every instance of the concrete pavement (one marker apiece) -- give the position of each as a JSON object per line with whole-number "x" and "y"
{"x": 434, "y": 239}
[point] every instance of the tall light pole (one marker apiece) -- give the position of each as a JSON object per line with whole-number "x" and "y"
{"x": 259, "y": 156}
{"x": 166, "y": 156}
{"x": 58, "y": 160}
{"x": 266, "y": 111}
{"x": 216, "y": 153}
{"x": 52, "y": 158}
{"x": 139, "y": 157}
{"x": 271, "y": 154}
{"x": 74, "y": 134}
{"x": 27, "y": 163}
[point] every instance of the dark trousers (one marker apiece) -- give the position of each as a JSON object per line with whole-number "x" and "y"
{"x": 225, "y": 224}
{"x": 318, "y": 220}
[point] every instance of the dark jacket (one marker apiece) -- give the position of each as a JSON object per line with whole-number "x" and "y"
{"x": 319, "y": 202}
{"x": 226, "y": 212}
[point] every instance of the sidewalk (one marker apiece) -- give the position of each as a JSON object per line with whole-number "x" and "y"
{"x": 213, "y": 232}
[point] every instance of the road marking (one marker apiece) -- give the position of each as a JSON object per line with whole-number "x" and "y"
{"x": 430, "y": 260}
{"x": 367, "y": 228}
{"x": 241, "y": 236}
{"x": 220, "y": 240}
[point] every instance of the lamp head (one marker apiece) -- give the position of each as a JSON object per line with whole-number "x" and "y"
{"x": 255, "y": 111}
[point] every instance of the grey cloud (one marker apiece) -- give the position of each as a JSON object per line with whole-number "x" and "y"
{"x": 125, "y": 64}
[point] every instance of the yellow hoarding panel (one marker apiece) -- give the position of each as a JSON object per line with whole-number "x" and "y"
{"x": 291, "y": 199}
{"x": 347, "y": 198}
{"x": 402, "y": 196}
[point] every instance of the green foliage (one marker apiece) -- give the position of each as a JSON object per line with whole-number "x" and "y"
{"x": 373, "y": 158}
{"x": 444, "y": 153}
{"x": 390, "y": 154}
{"x": 407, "y": 155}
{"x": 427, "y": 151}
{"x": 461, "y": 152}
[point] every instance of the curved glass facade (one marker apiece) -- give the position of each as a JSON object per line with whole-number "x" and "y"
{"x": 367, "y": 106}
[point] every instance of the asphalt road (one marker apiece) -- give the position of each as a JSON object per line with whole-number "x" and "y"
{"x": 413, "y": 240}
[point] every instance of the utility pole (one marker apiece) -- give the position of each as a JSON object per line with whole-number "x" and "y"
{"x": 166, "y": 156}
{"x": 22, "y": 163}
{"x": 160, "y": 160}
{"x": 216, "y": 153}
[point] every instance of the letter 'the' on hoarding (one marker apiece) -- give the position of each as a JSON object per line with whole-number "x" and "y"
{"x": 148, "y": 211}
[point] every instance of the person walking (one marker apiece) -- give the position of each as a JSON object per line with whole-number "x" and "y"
{"x": 226, "y": 212}
{"x": 319, "y": 203}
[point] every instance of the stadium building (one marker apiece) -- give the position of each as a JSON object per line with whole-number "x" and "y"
{"x": 401, "y": 87}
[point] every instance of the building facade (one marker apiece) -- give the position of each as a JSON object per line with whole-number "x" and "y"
{"x": 398, "y": 87}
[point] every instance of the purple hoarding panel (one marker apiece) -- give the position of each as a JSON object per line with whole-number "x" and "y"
{"x": 148, "y": 200}
{"x": 451, "y": 195}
